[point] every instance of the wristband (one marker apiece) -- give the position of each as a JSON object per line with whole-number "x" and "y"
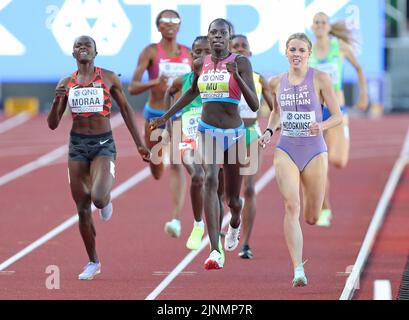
{"x": 269, "y": 130}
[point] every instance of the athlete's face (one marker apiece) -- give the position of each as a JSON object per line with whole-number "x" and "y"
{"x": 241, "y": 46}
{"x": 169, "y": 24}
{"x": 298, "y": 53}
{"x": 219, "y": 35}
{"x": 200, "y": 49}
{"x": 84, "y": 49}
{"x": 320, "y": 25}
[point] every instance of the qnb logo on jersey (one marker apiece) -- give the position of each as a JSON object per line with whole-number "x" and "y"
{"x": 104, "y": 20}
{"x": 86, "y": 100}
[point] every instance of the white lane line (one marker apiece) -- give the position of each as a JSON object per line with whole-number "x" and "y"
{"x": 125, "y": 186}
{"x": 14, "y": 121}
{"x": 47, "y": 158}
{"x": 376, "y": 222}
{"x": 260, "y": 184}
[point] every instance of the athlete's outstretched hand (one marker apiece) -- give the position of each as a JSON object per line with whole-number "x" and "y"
{"x": 315, "y": 128}
{"x": 156, "y": 123}
{"x": 145, "y": 153}
{"x": 265, "y": 139}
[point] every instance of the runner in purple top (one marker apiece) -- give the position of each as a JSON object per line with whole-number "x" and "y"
{"x": 299, "y": 107}
{"x": 301, "y": 154}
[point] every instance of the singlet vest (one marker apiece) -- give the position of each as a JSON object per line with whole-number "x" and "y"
{"x": 216, "y": 83}
{"x": 331, "y": 64}
{"x": 170, "y": 67}
{"x": 86, "y": 100}
{"x": 299, "y": 106}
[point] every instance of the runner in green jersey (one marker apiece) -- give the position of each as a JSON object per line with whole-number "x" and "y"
{"x": 334, "y": 44}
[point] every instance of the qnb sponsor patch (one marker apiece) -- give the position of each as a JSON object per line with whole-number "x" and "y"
{"x": 173, "y": 70}
{"x": 86, "y": 100}
{"x": 297, "y": 124}
{"x": 214, "y": 84}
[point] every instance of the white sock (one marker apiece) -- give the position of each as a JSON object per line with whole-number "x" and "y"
{"x": 198, "y": 224}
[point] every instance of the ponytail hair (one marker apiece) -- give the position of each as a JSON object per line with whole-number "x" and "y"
{"x": 339, "y": 29}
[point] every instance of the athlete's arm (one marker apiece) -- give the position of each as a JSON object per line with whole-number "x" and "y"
{"x": 169, "y": 98}
{"x": 172, "y": 90}
{"x": 362, "y": 103}
{"x": 327, "y": 92}
{"x": 183, "y": 101}
{"x": 59, "y": 104}
{"x": 127, "y": 112}
{"x": 145, "y": 59}
{"x": 274, "y": 119}
{"x": 266, "y": 92}
{"x": 242, "y": 71}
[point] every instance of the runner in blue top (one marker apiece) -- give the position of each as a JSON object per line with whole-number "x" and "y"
{"x": 190, "y": 116}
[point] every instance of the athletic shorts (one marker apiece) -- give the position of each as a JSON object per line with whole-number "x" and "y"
{"x": 86, "y": 147}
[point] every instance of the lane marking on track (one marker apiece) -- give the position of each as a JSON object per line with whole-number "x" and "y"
{"x": 260, "y": 184}
{"x": 14, "y": 121}
{"x": 47, "y": 158}
{"x": 125, "y": 186}
{"x": 376, "y": 221}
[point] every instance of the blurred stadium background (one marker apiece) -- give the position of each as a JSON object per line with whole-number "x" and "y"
{"x": 36, "y": 41}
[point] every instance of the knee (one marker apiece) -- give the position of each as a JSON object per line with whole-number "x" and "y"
{"x": 84, "y": 212}
{"x": 211, "y": 182}
{"x": 249, "y": 192}
{"x": 339, "y": 163}
{"x": 100, "y": 201}
{"x": 156, "y": 171}
{"x": 156, "y": 174}
{"x": 311, "y": 220}
{"x": 292, "y": 207}
{"x": 197, "y": 180}
{"x": 235, "y": 204}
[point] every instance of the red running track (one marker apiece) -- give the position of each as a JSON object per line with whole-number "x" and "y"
{"x": 137, "y": 255}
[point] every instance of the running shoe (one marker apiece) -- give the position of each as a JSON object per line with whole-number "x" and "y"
{"x": 106, "y": 212}
{"x": 214, "y": 262}
{"x": 325, "y": 218}
{"x": 195, "y": 238}
{"x": 90, "y": 271}
{"x": 300, "y": 280}
{"x": 173, "y": 228}
{"x": 231, "y": 241}
{"x": 245, "y": 252}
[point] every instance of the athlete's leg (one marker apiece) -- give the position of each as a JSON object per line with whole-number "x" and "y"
{"x": 156, "y": 146}
{"x": 338, "y": 143}
{"x": 196, "y": 173}
{"x": 288, "y": 181}
{"x": 313, "y": 179}
{"x": 102, "y": 178}
{"x": 249, "y": 209}
{"x": 177, "y": 189}
{"x": 80, "y": 184}
{"x": 220, "y": 195}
